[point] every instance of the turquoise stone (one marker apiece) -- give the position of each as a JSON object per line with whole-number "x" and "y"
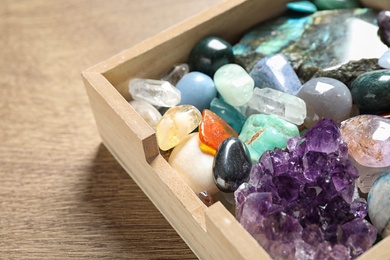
{"x": 371, "y": 91}
{"x": 276, "y": 72}
{"x": 231, "y": 165}
{"x": 196, "y": 89}
{"x": 314, "y": 43}
{"x": 209, "y": 54}
{"x": 302, "y": 6}
{"x": 336, "y": 4}
{"x": 266, "y": 132}
{"x": 228, "y": 113}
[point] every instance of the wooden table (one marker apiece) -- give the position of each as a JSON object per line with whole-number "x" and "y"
{"x": 62, "y": 194}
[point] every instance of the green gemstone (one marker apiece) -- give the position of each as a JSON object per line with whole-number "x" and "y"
{"x": 371, "y": 91}
{"x": 336, "y": 4}
{"x": 228, "y": 113}
{"x": 266, "y": 132}
{"x": 302, "y": 6}
{"x": 209, "y": 54}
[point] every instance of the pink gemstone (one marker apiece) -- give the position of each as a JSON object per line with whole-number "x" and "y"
{"x": 368, "y": 139}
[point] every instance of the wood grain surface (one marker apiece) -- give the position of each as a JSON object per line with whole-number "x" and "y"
{"x": 62, "y": 194}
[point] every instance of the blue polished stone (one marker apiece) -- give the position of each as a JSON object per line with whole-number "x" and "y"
{"x": 302, "y": 7}
{"x": 276, "y": 72}
{"x": 228, "y": 113}
{"x": 197, "y": 89}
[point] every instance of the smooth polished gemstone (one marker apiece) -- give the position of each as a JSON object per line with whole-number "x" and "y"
{"x": 325, "y": 98}
{"x": 194, "y": 166}
{"x": 197, "y": 89}
{"x": 383, "y": 19}
{"x": 336, "y": 4}
{"x": 234, "y": 84}
{"x": 176, "y": 73}
{"x": 384, "y": 60}
{"x": 228, "y": 113}
{"x": 302, "y": 6}
{"x": 371, "y": 91}
{"x": 231, "y": 165}
{"x": 156, "y": 92}
{"x": 266, "y": 132}
{"x": 368, "y": 139}
{"x": 177, "y": 123}
{"x": 148, "y": 112}
{"x": 213, "y": 130}
{"x": 209, "y": 54}
{"x": 276, "y": 72}
{"x": 379, "y": 203}
{"x": 274, "y": 102}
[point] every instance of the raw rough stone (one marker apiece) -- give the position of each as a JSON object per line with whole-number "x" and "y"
{"x": 176, "y": 73}
{"x": 148, "y": 112}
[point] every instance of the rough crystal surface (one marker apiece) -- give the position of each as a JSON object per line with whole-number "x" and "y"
{"x": 273, "y": 102}
{"x": 299, "y": 201}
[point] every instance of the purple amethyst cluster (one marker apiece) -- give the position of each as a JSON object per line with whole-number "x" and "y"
{"x": 301, "y": 201}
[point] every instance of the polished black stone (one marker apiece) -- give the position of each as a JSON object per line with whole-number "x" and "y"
{"x": 209, "y": 54}
{"x": 231, "y": 165}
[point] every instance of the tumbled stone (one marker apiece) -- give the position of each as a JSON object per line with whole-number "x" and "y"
{"x": 176, "y": 124}
{"x": 234, "y": 84}
{"x": 156, "y": 92}
{"x": 176, "y": 73}
{"x": 383, "y": 19}
{"x": 302, "y": 6}
{"x": 209, "y": 54}
{"x": 213, "y": 130}
{"x": 262, "y": 132}
{"x": 384, "y": 60}
{"x": 379, "y": 203}
{"x": 148, "y": 112}
{"x": 368, "y": 139}
{"x": 231, "y": 165}
{"x": 315, "y": 42}
{"x": 336, "y": 4}
{"x": 325, "y": 98}
{"x": 371, "y": 91}
{"x": 194, "y": 166}
{"x": 228, "y": 113}
{"x": 197, "y": 89}
{"x": 276, "y": 72}
{"x": 273, "y": 102}
{"x": 299, "y": 201}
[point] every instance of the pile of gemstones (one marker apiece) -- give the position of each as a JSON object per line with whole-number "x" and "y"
{"x": 300, "y": 139}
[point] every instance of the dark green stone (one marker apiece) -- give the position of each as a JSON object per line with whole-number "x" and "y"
{"x": 228, "y": 113}
{"x": 315, "y": 43}
{"x": 371, "y": 91}
{"x": 336, "y": 4}
{"x": 209, "y": 55}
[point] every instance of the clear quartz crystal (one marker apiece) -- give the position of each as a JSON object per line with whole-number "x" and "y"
{"x": 176, "y": 73}
{"x": 273, "y": 102}
{"x": 157, "y": 92}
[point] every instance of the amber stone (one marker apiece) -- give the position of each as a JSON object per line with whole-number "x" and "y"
{"x": 213, "y": 130}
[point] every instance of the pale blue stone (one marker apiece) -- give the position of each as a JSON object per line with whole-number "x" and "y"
{"x": 384, "y": 60}
{"x": 302, "y": 6}
{"x": 197, "y": 89}
{"x": 379, "y": 203}
{"x": 276, "y": 72}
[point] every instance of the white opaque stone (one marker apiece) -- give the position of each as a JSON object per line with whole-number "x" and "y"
{"x": 384, "y": 60}
{"x": 194, "y": 165}
{"x": 157, "y": 92}
{"x": 325, "y": 98}
{"x": 274, "y": 102}
{"x": 234, "y": 84}
{"x": 148, "y": 112}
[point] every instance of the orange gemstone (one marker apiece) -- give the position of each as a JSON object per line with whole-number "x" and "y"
{"x": 213, "y": 130}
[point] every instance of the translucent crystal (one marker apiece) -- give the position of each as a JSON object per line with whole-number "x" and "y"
{"x": 273, "y": 102}
{"x": 176, "y": 73}
{"x": 156, "y": 92}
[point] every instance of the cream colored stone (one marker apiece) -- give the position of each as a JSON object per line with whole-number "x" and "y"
{"x": 194, "y": 166}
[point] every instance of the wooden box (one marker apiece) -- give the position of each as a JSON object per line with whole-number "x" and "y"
{"x": 211, "y": 232}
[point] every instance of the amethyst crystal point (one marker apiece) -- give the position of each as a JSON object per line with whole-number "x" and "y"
{"x": 299, "y": 201}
